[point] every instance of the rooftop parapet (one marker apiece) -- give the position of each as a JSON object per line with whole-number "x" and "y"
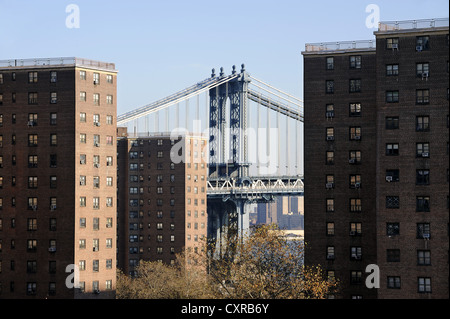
{"x": 338, "y": 46}
{"x": 57, "y": 62}
{"x": 385, "y": 26}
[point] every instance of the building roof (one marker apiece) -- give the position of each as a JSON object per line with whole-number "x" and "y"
{"x": 57, "y": 62}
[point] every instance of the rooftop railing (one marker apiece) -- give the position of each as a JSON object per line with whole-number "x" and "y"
{"x": 344, "y": 45}
{"x": 412, "y": 24}
{"x": 62, "y": 61}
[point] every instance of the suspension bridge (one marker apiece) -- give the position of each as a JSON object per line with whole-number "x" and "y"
{"x": 250, "y": 125}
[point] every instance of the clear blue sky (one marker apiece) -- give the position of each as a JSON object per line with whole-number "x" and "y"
{"x": 160, "y": 47}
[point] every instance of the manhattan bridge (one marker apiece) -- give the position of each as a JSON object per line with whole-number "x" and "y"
{"x": 254, "y": 147}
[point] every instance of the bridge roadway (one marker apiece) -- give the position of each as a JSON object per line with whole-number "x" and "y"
{"x": 261, "y": 188}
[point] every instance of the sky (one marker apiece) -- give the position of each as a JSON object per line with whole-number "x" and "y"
{"x": 160, "y": 47}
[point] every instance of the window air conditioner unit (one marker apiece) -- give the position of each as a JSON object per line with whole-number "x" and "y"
{"x": 352, "y": 233}
{"x": 352, "y": 161}
{"x": 52, "y": 249}
{"x": 388, "y": 178}
{"x": 426, "y": 236}
{"x": 425, "y": 154}
{"x": 34, "y": 207}
{"x": 425, "y": 75}
{"x": 31, "y": 123}
{"x": 330, "y": 256}
{"x": 97, "y": 123}
{"x": 52, "y": 207}
{"x": 95, "y": 82}
{"x": 96, "y": 165}
{"x": 357, "y": 185}
{"x": 95, "y": 249}
{"x": 329, "y": 185}
{"x": 329, "y": 114}
{"x": 356, "y": 257}
{"x": 330, "y": 138}
{"x": 419, "y": 48}
{"x": 357, "y": 137}
{"x": 395, "y": 46}
{"x": 96, "y": 144}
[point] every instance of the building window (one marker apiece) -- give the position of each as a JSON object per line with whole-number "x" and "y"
{"x": 330, "y": 63}
{"x": 53, "y": 140}
{"x": 330, "y": 229}
{"x": 422, "y": 70}
{"x": 355, "y": 181}
{"x": 392, "y": 175}
{"x": 355, "y": 109}
{"x": 393, "y": 255}
{"x": 355, "y": 205}
{"x": 393, "y": 282}
{"x": 330, "y": 134}
{"x": 355, "y": 252}
{"x": 53, "y": 98}
{"x": 423, "y": 150}
{"x": 330, "y": 158}
{"x": 329, "y": 86}
{"x": 355, "y": 133}
{"x": 329, "y": 181}
{"x": 423, "y": 257}
{"x": 423, "y": 96}
{"x": 109, "y": 78}
{"x": 330, "y": 252}
{"x": 392, "y": 123}
{"x": 354, "y": 157}
{"x": 32, "y": 98}
{"x": 355, "y": 229}
{"x": 392, "y": 202}
{"x": 82, "y": 75}
{"x": 96, "y": 99}
{"x": 355, "y": 62}
{"x": 391, "y": 69}
{"x": 355, "y": 277}
{"x": 392, "y": 229}
{"x": 392, "y": 96}
{"x": 329, "y": 111}
{"x": 424, "y": 284}
{"x": 32, "y": 140}
{"x": 422, "y": 177}
{"x": 96, "y": 77}
{"x": 330, "y": 205}
{"x": 422, "y": 43}
{"x": 423, "y": 230}
{"x": 109, "y": 99}
{"x": 391, "y": 43}
{"x": 355, "y": 85}
{"x": 422, "y": 203}
{"x": 422, "y": 123}
{"x": 53, "y": 77}
{"x": 392, "y": 149}
{"x": 32, "y": 77}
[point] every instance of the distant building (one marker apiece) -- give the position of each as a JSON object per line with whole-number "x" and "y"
{"x": 162, "y": 204}
{"x": 376, "y": 160}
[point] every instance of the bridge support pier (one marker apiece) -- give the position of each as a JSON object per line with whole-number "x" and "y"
{"x": 226, "y": 218}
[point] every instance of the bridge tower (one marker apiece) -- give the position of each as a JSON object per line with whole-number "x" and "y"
{"x": 226, "y": 212}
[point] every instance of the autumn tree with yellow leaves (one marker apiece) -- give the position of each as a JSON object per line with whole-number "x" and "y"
{"x": 263, "y": 264}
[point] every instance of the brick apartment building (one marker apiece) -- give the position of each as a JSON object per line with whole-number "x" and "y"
{"x": 162, "y": 203}
{"x": 57, "y": 177}
{"x": 376, "y": 160}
